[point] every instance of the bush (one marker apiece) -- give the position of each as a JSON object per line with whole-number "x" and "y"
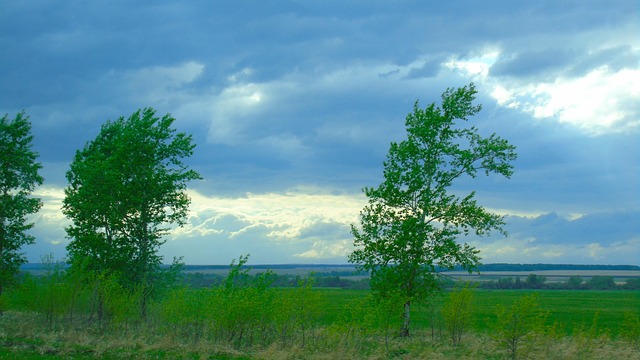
{"x": 519, "y": 324}
{"x": 458, "y": 312}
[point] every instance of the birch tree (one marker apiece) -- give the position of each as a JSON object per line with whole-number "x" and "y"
{"x": 19, "y": 176}
{"x": 126, "y": 189}
{"x": 414, "y": 220}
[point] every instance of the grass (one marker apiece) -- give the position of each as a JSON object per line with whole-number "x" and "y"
{"x": 569, "y": 309}
{"x": 25, "y": 335}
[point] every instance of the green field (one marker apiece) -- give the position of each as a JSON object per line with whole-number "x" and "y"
{"x": 313, "y": 323}
{"x": 567, "y": 308}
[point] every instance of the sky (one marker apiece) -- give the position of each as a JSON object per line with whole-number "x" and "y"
{"x": 293, "y": 105}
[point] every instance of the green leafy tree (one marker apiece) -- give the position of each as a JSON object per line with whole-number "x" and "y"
{"x": 535, "y": 281}
{"x": 411, "y": 225}
{"x": 18, "y": 179}
{"x": 601, "y": 283}
{"x": 574, "y": 282}
{"x": 126, "y": 189}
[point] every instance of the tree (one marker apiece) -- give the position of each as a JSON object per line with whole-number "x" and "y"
{"x": 601, "y": 283}
{"x": 18, "y": 179}
{"x": 574, "y": 282}
{"x": 126, "y": 188}
{"x": 535, "y": 281}
{"x": 410, "y": 226}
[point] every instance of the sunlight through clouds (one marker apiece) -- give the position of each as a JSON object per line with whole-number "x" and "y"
{"x": 476, "y": 66}
{"x": 599, "y": 102}
{"x": 317, "y": 221}
{"x": 602, "y": 101}
{"x": 285, "y": 214}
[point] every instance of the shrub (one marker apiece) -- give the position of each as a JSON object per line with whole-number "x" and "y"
{"x": 519, "y": 324}
{"x": 458, "y": 312}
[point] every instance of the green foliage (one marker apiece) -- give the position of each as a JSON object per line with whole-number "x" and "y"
{"x": 632, "y": 284}
{"x": 126, "y": 188}
{"x": 519, "y": 324}
{"x": 18, "y": 179}
{"x": 238, "y": 276}
{"x": 120, "y": 305}
{"x": 535, "y": 281}
{"x": 601, "y": 283}
{"x": 458, "y": 312}
{"x": 244, "y": 311}
{"x": 52, "y": 294}
{"x": 303, "y": 305}
{"x": 54, "y": 298}
{"x": 411, "y": 225}
{"x": 631, "y": 328}
{"x": 574, "y": 282}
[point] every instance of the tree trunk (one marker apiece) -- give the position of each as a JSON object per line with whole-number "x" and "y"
{"x": 406, "y": 319}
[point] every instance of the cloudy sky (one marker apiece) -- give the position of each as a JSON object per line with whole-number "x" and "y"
{"x": 293, "y": 105}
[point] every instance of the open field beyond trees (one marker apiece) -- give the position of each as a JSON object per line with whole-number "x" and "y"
{"x": 243, "y": 317}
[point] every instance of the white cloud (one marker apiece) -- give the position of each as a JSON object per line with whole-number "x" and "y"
{"x": 475, "y": 66}
{"x": 52, "y": 198}
{"x": 49, "y": 223}
{"x": 505, "y": 97}
{"x": 601, "y": 101}
{"x": 312, "y": 224}
{"x": 306, "y": 223}
{"x": 284, "y": 214}
{"x": 327, "y": 249}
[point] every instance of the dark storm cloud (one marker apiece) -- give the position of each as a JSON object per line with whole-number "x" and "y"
{"x": 534, "y": 63}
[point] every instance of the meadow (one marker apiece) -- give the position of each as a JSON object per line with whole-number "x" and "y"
{"x": 250, "y": 321}
{"x": 570, "y": 309}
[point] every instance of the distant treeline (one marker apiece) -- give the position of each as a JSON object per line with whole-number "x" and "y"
{"x": 533, "y": 282}
{"x": 346, "y": 277}
{"x": 529, "y": 282}
{"x": 541, "y": 267}
{"x": 348, "y": 269}
{"x": 326, "y": 280}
